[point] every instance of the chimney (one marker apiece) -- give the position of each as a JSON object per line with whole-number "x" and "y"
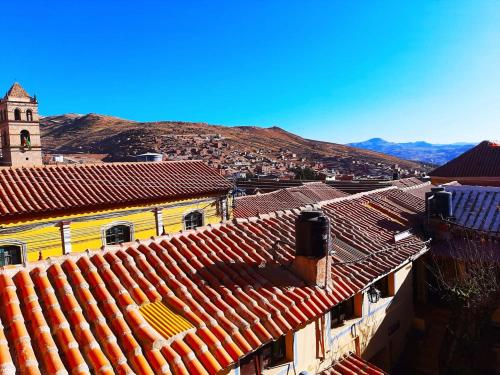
{"x": 312, "y": 261}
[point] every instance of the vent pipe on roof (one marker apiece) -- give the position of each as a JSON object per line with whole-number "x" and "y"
{"x": 312, "y": 261}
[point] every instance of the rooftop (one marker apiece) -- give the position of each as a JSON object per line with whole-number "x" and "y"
{"x": 476, "y": 207}
{"x": 47, "y": 189}
{"x": 283, "y": 199}
{"x": 16, "y": 91}
{"x": 482, "y": 160}
{"x": 351, "y": 365}
{"x": 226, "y": 289}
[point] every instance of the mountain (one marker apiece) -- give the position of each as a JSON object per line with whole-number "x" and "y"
{"x": 122, "y": 139}
{"x": 420, "y": 151}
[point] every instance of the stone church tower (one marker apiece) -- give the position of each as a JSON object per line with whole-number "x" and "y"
{"x": 19, "y": 129}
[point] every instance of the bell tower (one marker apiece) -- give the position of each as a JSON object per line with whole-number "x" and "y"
{"x": 19, "y": 129}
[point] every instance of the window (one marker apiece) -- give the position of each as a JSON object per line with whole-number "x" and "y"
{"x": 118, "y": 234}
{"x": 341, "y": 312}
{"x": 25, "y": 138}
{"x": 271, "y": 354}
{"x": 29, "y": 115}
{"x": 193, "y": 220}
{"x": 5, "y": 139}
{"x": 10, "y": 254}
{"x": 17, "y": 114}
{"x": 274, "y": 352}
{"x": 386, "y": 286}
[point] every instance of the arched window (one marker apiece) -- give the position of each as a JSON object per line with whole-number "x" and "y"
{"x": 25, "y": 138}
{"x": 10, "y": 254}
{"x": 29, "y": 115}
{"x": 118, "y": 234}
{"x": 193, "y": 220}
{"x": 17, "y": 114}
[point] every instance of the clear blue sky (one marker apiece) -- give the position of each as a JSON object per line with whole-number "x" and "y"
{"x": 340, "y": 71}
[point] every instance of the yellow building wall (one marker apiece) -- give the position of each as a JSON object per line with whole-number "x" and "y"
{"x": 87, "y": 229}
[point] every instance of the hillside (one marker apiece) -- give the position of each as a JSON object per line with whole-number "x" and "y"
{"x": 122, "y": 139}
{"x": 420, "y": 151}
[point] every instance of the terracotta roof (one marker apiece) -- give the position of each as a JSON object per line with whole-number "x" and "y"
{"x": 476, "y": 207}
{"x": 293, "y": 197}
{"x": 406, "y": 182}
{"x": 419, "y": 190}
{"x": 81, "y": 312}
{"x": 16, "y": 91}
{"x": 353, "y": 365}
{"x": 46, "y": 189}
{"x": 482, "y": 160}
{"x": 370, "y": 222}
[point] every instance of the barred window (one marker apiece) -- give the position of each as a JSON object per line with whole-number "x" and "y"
{"x": 118, "y": 234}
{"x": 10, "y": 254}
{"x": 193, "y": 220}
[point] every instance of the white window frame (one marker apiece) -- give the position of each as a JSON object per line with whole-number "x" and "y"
{"x": 201, "y": 211}
{"x": 22, "y": 245}
{"x": 114, "y": 224}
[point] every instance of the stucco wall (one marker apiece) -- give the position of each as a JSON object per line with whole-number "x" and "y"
{"x": 87, "y": 229}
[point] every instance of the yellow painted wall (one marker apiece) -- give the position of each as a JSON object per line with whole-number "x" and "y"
{"x": 87, "y": 233}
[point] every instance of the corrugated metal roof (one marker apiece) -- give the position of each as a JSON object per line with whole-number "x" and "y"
{"x": 476, "y": 207}
{"x": 164, "y": 320}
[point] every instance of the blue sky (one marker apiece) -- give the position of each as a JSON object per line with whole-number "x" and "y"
{"x": 339, "y": 71}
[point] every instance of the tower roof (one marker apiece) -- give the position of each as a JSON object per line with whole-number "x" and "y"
{"x": 16, "y": 91}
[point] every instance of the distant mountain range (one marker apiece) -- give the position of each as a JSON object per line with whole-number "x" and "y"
{"x": 437, "y": 154}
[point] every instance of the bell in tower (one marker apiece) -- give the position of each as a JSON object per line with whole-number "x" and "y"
{"x": 19, "y": 129}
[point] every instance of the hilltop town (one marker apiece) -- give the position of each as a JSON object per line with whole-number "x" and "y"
{"x": 159, "y": 266}
{"x": 237, "y": 152}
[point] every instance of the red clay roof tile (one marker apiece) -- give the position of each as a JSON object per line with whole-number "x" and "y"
{"x": 224, "y": 279}
{"x": 482, "y": 160}
{"x": 353, "y": 365}
{"x": 42, "y": 190}
{"x": 285, "y": 199}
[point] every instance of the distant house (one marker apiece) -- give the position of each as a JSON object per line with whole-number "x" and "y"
{"x": 478, "y": 166}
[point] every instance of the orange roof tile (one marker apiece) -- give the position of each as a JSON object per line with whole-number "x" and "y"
{"x": 48, "y": 189}
{"x": 285, "y": 199}
{"x": 81, "y": 312}
{"x": 353, "y": 365}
